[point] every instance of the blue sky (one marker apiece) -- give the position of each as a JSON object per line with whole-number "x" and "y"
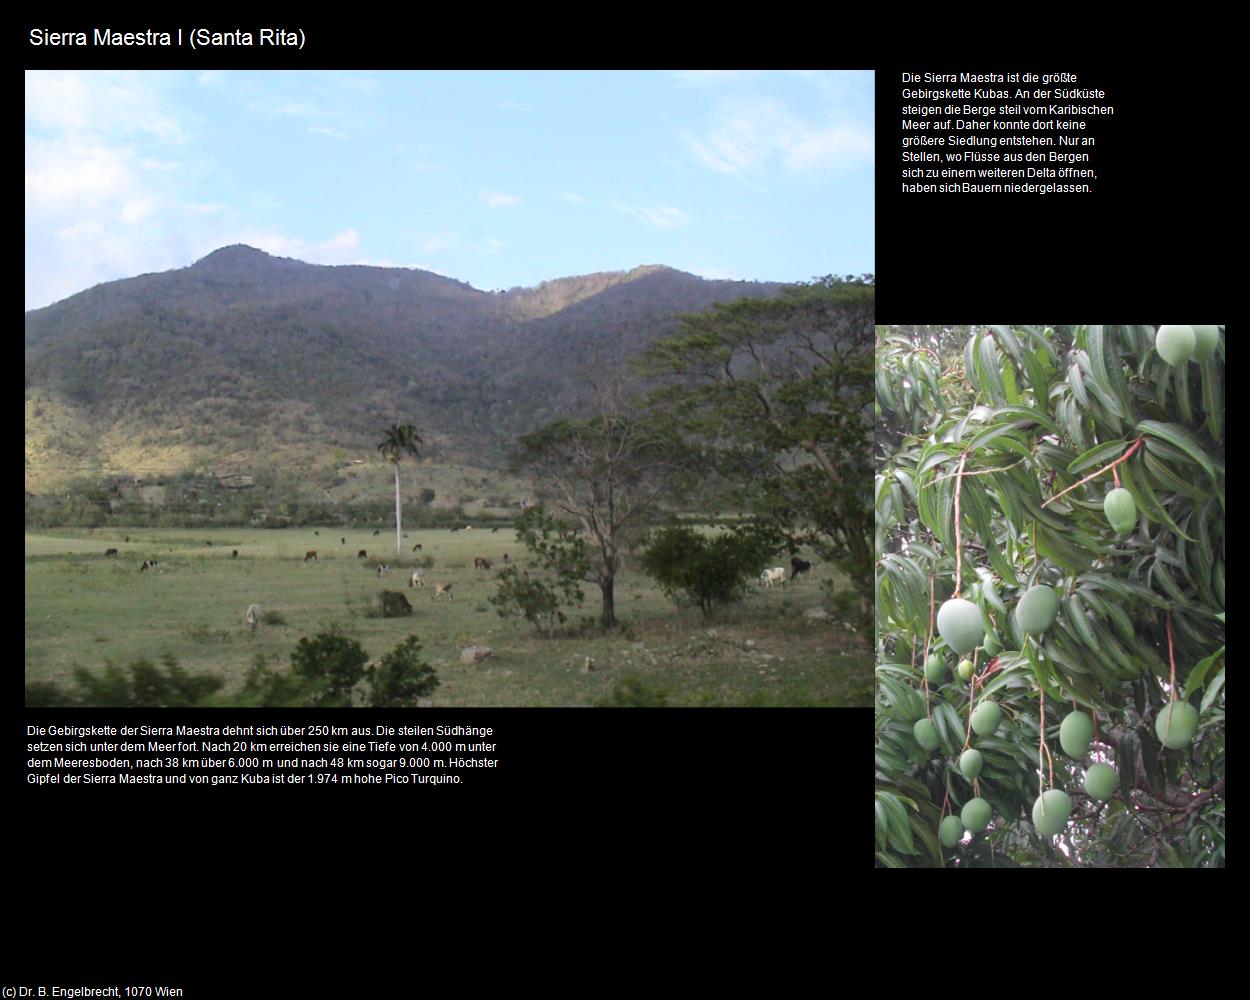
{"x": 498, "y": 179}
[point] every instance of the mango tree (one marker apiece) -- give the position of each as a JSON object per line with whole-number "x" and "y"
{"x": 1050, "y": 506}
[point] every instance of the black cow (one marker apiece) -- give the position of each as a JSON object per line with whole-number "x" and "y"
{"x": 362, "y": 554}
{"x": 798, "y": 566}
{"x": 148, "y": 564}
{"x": 234, "y": 553}
{"x": 110, "y": 552}
{"x": 417, "y": 547}
{"x": 377, "y": 531}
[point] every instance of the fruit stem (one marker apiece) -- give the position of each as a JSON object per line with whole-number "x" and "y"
{"x": 1041, "y": 745}
{"x": 1171, "y": 681}
{"x": 959, "y": 479}
{"x": 1106, "y": 468}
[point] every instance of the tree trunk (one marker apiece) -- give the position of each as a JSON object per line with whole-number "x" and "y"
{"x": 398, "y": 527}
{"x": 608, "y": 617}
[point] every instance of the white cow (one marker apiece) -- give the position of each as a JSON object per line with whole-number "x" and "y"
{"x": 253, "y": 617}
{"x": 775, "y": 575}
{"x": 418, "y": 579}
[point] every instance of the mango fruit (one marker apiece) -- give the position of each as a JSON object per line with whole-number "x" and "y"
{"x": 1175, "y": 344}
{"x": 959, "y": 622}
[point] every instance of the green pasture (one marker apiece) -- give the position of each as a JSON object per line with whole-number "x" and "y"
{"x": 83, "y": 608}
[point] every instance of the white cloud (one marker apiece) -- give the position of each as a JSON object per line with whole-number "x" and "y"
{"x": 497, "y": 199}
{"x": 659, "y": 216}
{"x": 713, "y": 273}
{"x": 750, "y": 136}
{"x": 493, "y": 246}
{"x": 569, "y": 196}
{"x": 322, "y": 130}
{"x": 341, "y": 248}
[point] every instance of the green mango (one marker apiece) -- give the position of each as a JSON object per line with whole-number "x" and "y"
{"x": 976, "y": 815}
{"x": 1101, "y": 781}
{"x": 1175, "y": 344}
{"x": 985, "y": 718}
{"x": 926, "y": 734}
{"x": 1037, "y": 610}
{"x": 1051, "y": 811}
{"x": 970, "y": 762}
{"x": 1120, "y": 510}
{"x": 960, "y": 624}
{"x": 1075, "y": 733}
{"x": 1177, "y": 725}
{"x": 951, "y": 831}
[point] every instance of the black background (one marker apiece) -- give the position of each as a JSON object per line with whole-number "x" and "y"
{"x": 697, "y": 806}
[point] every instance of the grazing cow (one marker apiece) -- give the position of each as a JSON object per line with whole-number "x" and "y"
{"x": 253, "y": 617}
{"x": 377, "y": 531}
{"x": 798, "y": 566}
{"x": 494, "y": 531}
{"x": 127, "y": 538}
{"x": 148, "y": 564}
{"x": 234, "y": 553}
{"x": 418, "y": 579}
{"x": 775, "y": 575}
{"x": 317, "y": 533}
{"x": 311, "y": 554}
{"x": 480, "y": 563}
{"x": 208, "y": 543}
{"x": 343, "y": 540}
{"x": 417, "y": 547}
{"x": 440, "y": 589}
{"x": 110, "y": 552}
{"x": 382, "y": 569}
{"x": 507, "y": 558}
{"x": 394, "y": 604}
{"x": 452, "y": 531}
{"x": 362, "y": 554}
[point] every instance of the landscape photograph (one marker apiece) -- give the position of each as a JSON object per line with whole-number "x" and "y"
{"x": 410, "y": 389}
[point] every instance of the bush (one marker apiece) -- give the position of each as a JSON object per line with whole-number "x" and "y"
{"x": 634, "y": 692}
{"x": 333, "y": 663}
{"x": 401, "y": 677}
{"x": 141, "y": 685}
{"x": 694, "y": 569}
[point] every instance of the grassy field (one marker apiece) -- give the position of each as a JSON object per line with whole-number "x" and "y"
{"x": 86, "y": 609}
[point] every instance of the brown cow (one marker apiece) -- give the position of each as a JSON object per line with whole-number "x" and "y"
{"x": 310, "y": 554}
{"x": 480, "y": 563}
{"x": 362, "y": 554}
{"x": 440, "y": 589}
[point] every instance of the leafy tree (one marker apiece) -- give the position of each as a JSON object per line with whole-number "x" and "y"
{"x": 401, "y": 677}
{"x": 400, "y": 440}
{"x": 779, "y": 395}
{"x": 563, "y": 560}
{"x": 998, "y": 447}
{"x": 605, "y": 473}
{"x": 333, "y": 663}
{"x": 705, "y": 571}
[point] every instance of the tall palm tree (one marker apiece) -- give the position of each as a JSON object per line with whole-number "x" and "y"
{"x": 401, "y": 440}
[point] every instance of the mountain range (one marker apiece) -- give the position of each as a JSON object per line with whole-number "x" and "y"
{"x": 244, "y": 361}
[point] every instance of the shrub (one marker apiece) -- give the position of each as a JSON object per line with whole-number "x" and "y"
{"x": 401, "y": 677}
{"x": 334, "y": 663}
{"x": 695, "y": 569}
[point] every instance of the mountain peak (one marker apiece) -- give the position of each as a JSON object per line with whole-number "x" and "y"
{"x": 236, "y": 251}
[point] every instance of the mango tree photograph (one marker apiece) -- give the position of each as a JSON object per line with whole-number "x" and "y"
{"x": 1050, "y": 555}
